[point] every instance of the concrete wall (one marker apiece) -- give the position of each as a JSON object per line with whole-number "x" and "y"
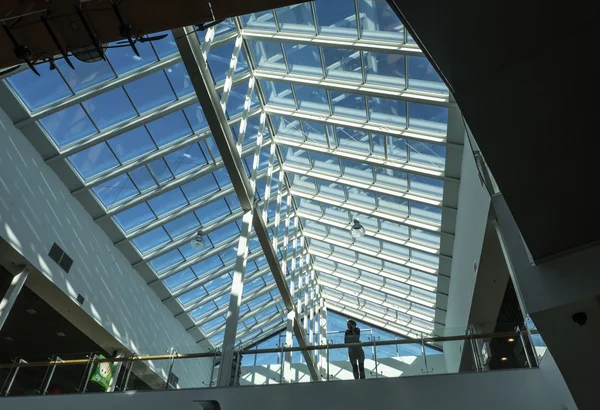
{"x": 36, "y": 210}
{"x": 551, "y": 375}
{"x": 471, "y": 220}
{"x": 342, "y": 370}
{"x": 512, "y": 389}
{"x": 552, "y": 292}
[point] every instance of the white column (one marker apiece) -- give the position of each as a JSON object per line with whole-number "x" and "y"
{"x": 289, "y": 341}
{"x": 11, "y": 295}
{"x": 237, "y": 288}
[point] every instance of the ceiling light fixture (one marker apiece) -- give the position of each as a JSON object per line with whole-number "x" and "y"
{"x": 61, "y": 334}
{"x": 198, "y": 242}
{"x": 31, "y": 311}
{"x": 504, "y": 359}
{"x": 510, "y": 339}
{"x": 357, "y": 229}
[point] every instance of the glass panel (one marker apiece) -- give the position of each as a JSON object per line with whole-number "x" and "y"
{"x": 180, "y": 279}
{"x": 385, "y": 69}
{"x": 132, "y": 144}
{"x": 169, "y": 128}
{"x": 196, "y": 117}
{"x": 151, "y": 240}
{"x": 342, "y": 64}
{"x": 336, "y": 18}
{"x": 180, "y": 80}
{"x": 200, "y": 187}
{"x": 422, "y": 76}
{"x": 379, "y": 22}
{"x": 277, "y": 93}
{"x": 386, "y": 111}
{"x": 348, "y": 105}
{"x": 262, "y": 20}
{"x": 109, "y": 108}
{"x": 69, "y": 125}
{"x": 325, "y": 163}
{"x": 426, "y": 185}
{"x": 219, "y": 60}
{"x": 150, "y": 91}
{"x": 358, "y": 170}
{"x": 267, "y": 55}
{"x": 85, "y": 75}
{"x": 142, "y": 178}
{"x": 296, "y": 18}
{"x": 167, "y": 202}
{"x": 28, "y": 85}
{"x": 314, "y": 132}
{"x": 212, "y": 211}
{"x": 377, "y": 145}
{"x": 428, "y": 117}
{"x": 93, "y": 161}
{"x": 116, "y": 190}
{"x": 160, "y": 170}
{"x": 296, "y": 156}
{"x": 166, "y": 46}
{"x": 185, "y": 159}
{"x": 166, "y": 261}
{"x": 352, "y": 139}
{"x": 183, "y": 225}
{"x": 303, "y": 59}
{"x": 392, "y": 178}
{"x": 123, "y": 59}
{"x": 427, "y": 154}
{"x": 426, "y": 212}
{"x": 134, "y": 217}
{"x": 225, "y": 27}
{"x": 397, "y": 148}
{"x": 312, "y": 99}
{"x": 237, "y": 99}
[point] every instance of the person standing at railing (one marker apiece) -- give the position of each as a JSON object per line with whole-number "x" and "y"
{"x": 355, "y": 353}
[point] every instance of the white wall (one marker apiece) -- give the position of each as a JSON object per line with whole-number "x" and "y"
{"x": 342, "y": 370}
{"x": 471, "y": 220}
{"x": 551, "y": 375}
{"x": 522, "y": 389}
{"x": 36, "y": 210}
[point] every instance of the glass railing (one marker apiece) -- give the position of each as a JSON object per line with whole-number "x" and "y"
{"x": 455, "y": 351}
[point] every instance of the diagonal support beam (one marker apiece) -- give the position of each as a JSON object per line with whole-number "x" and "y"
{"x": 191, "y": 53}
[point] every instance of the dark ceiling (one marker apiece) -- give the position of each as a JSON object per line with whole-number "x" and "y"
{"x": 525, "y": 77}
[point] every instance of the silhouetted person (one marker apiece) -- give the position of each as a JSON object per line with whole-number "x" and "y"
{"x": 355, "y": 353}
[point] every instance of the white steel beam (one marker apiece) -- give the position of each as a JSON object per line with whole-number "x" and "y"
{"x": 324, "y": 41}
{"x": 408, "y": 221}
{"x": 235, "y": 301}
{"x": 369, "y": 269}
{"x": 197, "y": 68}
{"x": 391, "y": 238}
{"x": 161, "y": 153}
{"x": 99, "y": 89}
{"x": 369, "y": 186}
{"x": 383, "y": 289}
{"x": 365, "y": 158}
{"x": 368, "y": 90}
{"x": 371, "y": 252}
{"x": 370, "y": 126}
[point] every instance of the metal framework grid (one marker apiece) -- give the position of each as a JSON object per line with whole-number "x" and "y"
{"x": 271, "y": 132}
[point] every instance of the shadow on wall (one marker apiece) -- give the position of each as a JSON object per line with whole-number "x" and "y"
{"x": 36, "y": 210}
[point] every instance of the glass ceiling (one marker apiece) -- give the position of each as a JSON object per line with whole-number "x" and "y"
{"x": 355, "y": 128}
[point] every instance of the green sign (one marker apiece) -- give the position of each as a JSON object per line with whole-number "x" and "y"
{"x": 103, "y": 373}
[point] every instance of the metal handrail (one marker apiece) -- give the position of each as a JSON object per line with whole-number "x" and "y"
{"x": 181, "y": 356}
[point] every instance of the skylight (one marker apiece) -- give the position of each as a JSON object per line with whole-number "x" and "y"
{"x": 351, "y": 122}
